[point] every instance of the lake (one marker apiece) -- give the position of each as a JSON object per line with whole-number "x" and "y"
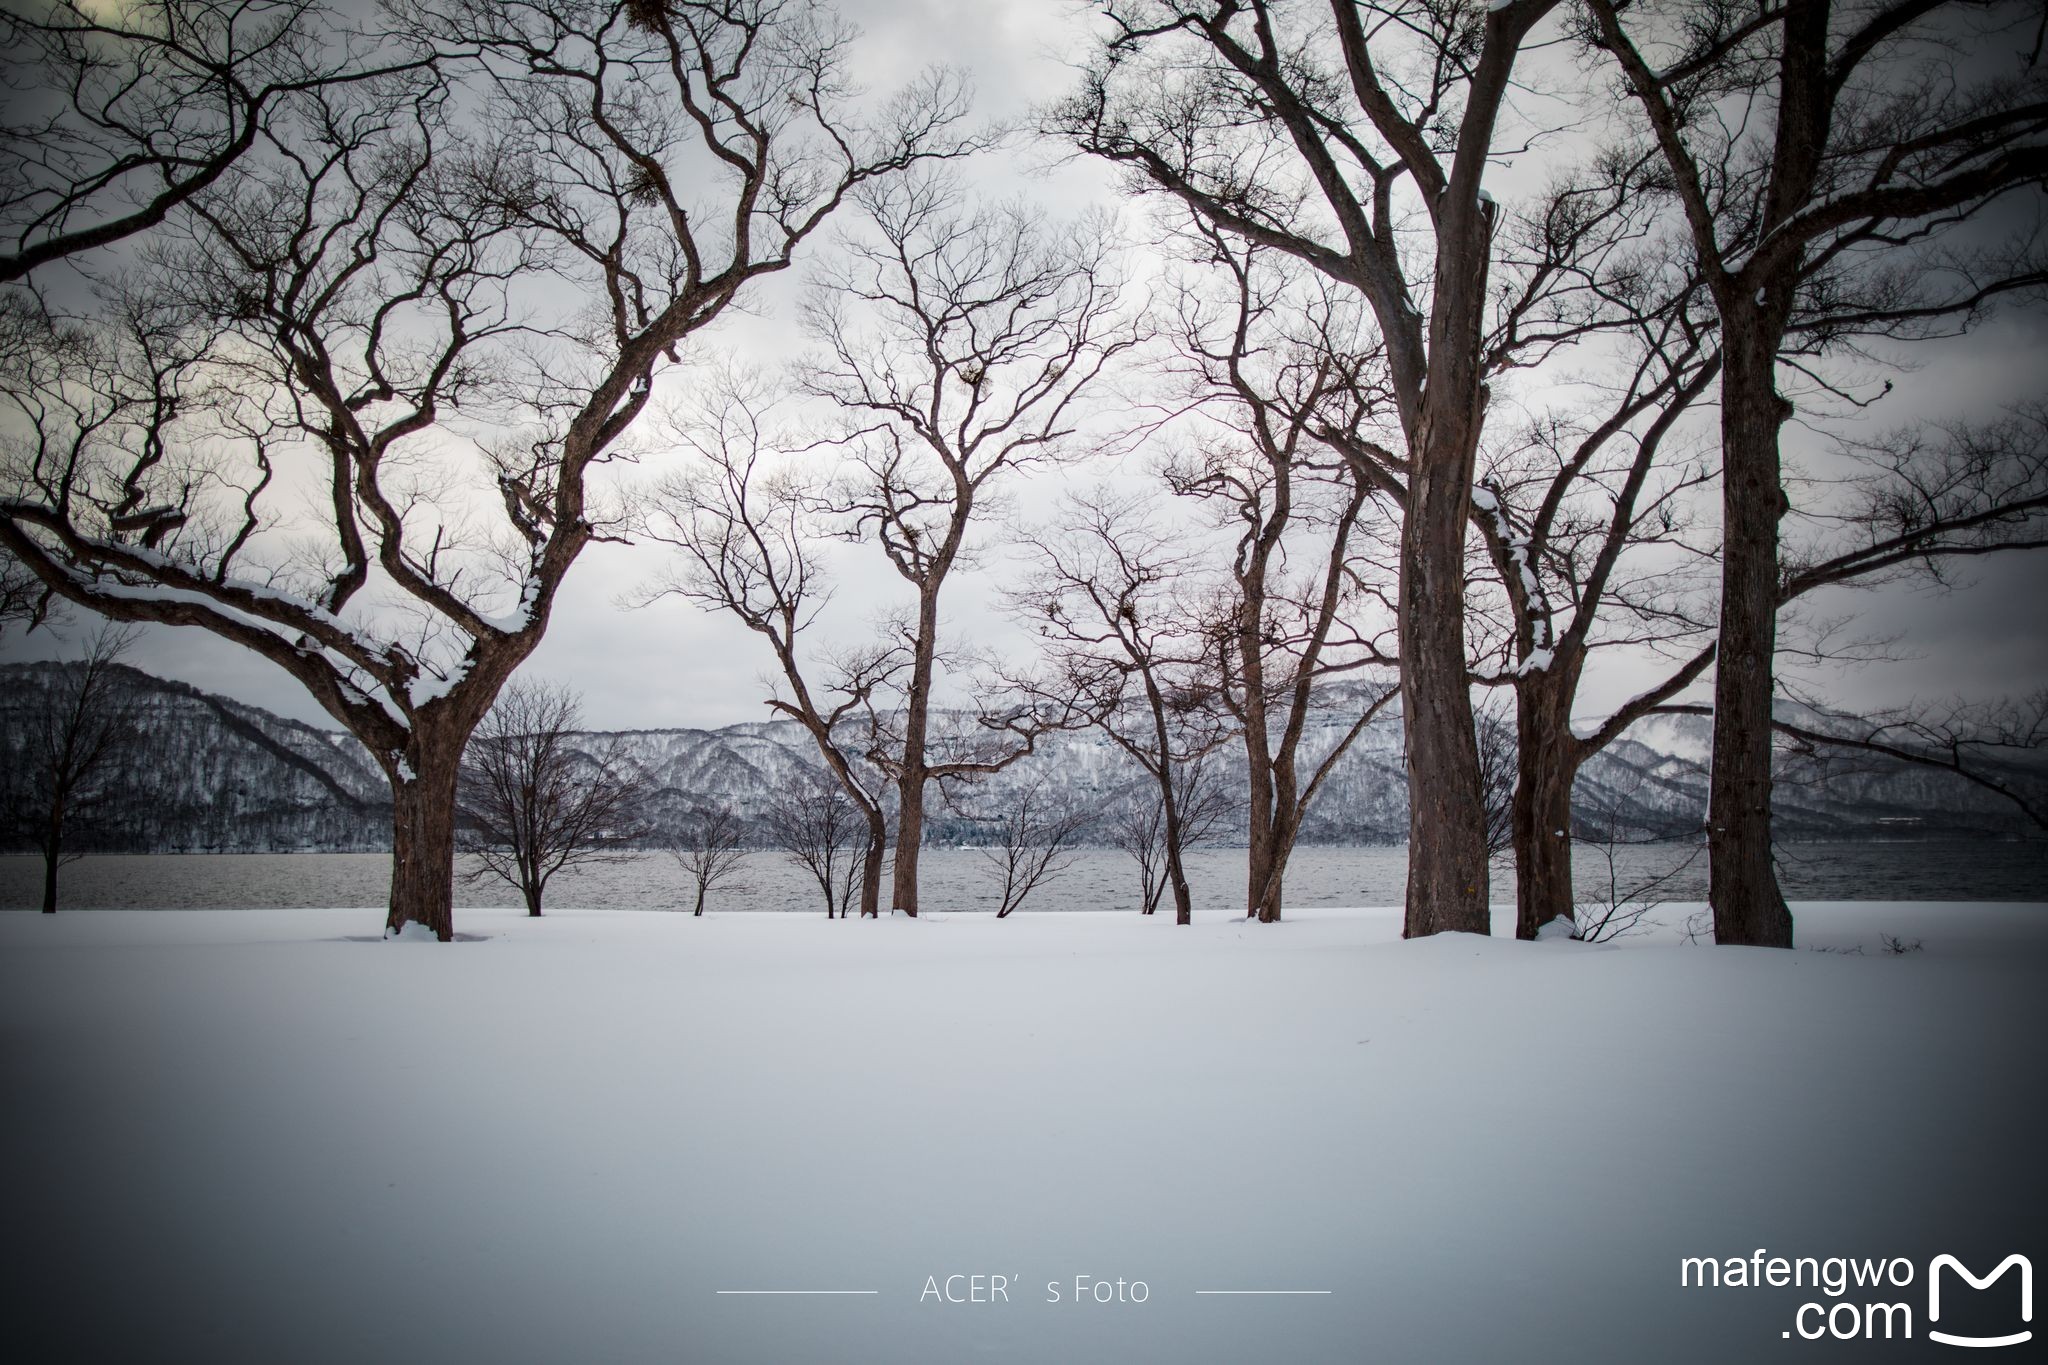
{"x": 959, "y": 879}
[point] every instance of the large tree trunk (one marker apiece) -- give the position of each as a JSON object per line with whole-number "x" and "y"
{"x": 909, "y": 838}
{"x": 1545, "y": 766}
{"x": 1447, "y": 880}
{"x": 1269, "y": 892}
{"x": 1447, "y": 864}
{"x": 423, "y": 836}
{"x": 1748, "y": 907}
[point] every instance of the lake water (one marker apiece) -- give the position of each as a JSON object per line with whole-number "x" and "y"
{"x": 958, "y": 879}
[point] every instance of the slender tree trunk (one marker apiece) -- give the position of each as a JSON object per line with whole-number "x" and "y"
{"x": 1183, "y": 897}
{"x": 699, "y": 911}
{"x": 1176, "y": 872}
{"x": 871, "y": 873}
{"x": 1260, "y": 820}
{"x": 1258, "y": 853}
{"x": 532, "y": 890}
{"x": 1749, "y": 909}
{"x": 910, "y": 784}
{"x": 52, "y": 854}
{"x": 1545, "y": 766}
{"x": 423, "y": 837}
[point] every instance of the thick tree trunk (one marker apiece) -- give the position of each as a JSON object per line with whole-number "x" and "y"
{"x": 423, "y": 837}
{"x": 1447, "y": 872}
{"x": 1271, "y": 893}
{"x": 1545, "y": 766}
{"x": 1748, "y": 906}
{"x": 532, "y": 900}
{"x": 1269, "y": 880}
{"x": 1447, "y": 880}
{"x": 909, "y": 838}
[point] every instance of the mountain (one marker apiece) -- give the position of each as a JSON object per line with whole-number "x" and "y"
{"x": 206, "y": 773}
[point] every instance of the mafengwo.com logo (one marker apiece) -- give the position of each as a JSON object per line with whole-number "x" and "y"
{"x": 1864, "y": 1302}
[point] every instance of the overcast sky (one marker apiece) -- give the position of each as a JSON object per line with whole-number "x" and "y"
{"x": 671, "y": 664}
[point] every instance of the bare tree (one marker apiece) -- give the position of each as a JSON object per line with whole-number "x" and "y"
{"x": 747, "y": 535}
{"x": 1497, "y": 763}
{"x": 1824, "y": 157}
{"x": 1591, "y": 523}
{"x": 1356, "y": 145}
{"x": 1586, "y": 512}
{"x": 1036, "y": 828}
{"x": 67, "y": 748}
{"x": 533, "y": 803}
{"x": 824, "y": 832}
{"x": 1114, "y": 604}
{"x": 1985, "y": 745}
{"x": 118, "y": 115}
{"x": 959, "y": 343}
{"x": 1276, "y": 373}
{"x": 363, "y": 313}
{"x": 24, "y": 602}
{"x": 1914, "y": 505}
{"x": 1624, "y": 906}
{"x": 1137, "y": 825}
{"x": 711, "y": 855}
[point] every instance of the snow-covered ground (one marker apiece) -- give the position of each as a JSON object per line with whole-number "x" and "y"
{"x": 258, "y": 1135}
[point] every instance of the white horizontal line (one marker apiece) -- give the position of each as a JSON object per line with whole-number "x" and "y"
{"x": 1262, "y": 1291}
{"x": 796, "y": 1291}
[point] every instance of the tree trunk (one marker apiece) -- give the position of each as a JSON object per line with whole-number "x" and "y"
{"x": 423, "y": 836}
{"x": 532, "y": 890}
{"x": 915, "y": 771}
{"x": 1272, "y": 893}
{"x": 1545, "y": 765}
{"x": 1748, "y": 906}
{"x": 1269, "y": 885}
{"x": 1447, "y": 880}
{"x": 871, "y": 874}
{"x": 1170, "y": 830}
{"x": 699, "y": 911}
{"x": 50, "y": 859}
{"x": 909, "y": 839}
{"x": 1259, "y": 823}
{"x": 1183, "y": 899}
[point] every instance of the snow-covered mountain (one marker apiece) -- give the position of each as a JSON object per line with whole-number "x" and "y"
{"x": 209, "y": 773}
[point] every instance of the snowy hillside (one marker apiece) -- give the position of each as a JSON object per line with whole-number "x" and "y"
{"x": 213, "y": 774}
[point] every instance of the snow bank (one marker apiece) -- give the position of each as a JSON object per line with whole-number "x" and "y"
{"x": 267, "y": 1136}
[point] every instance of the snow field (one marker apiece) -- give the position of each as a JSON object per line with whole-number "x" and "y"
{"x": 264, "y": 1135}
